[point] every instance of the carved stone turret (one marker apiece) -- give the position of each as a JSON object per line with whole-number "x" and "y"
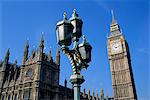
{"x": 11, "y": 75}
{"x": 50, "y": 57}
{"x": 93, "y": 95}
{"x": 97, "y": 95}
{"x": 65, "y": 83}
{"x": 15, "y": 70}
{"x": 3, "y": 70}
{"x": 58, "y": 57}
{"x": 41, "y": 47}
{"x": 89, "y": 95}
{"x": 26, "y": 51}
{"x": 6, "y": 59}
{"x": 84, "y": 93}
{"x": 102, "y": 94}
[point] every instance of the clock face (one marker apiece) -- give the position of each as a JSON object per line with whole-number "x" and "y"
{"x": 116, "y": 47}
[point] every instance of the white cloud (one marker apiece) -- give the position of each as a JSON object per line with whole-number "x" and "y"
{"x": 144, "y": 51}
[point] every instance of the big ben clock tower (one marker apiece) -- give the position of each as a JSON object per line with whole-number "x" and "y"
{"x": 120, "y": 64}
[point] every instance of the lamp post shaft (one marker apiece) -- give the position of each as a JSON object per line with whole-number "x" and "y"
{"x": 76, "y": 80}
{"x": 76, "y": 91}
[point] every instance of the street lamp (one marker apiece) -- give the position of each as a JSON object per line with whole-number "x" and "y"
{"x": 68, "y": 31}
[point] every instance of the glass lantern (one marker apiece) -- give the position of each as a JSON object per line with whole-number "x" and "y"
{"x": 64, "y": 30}
{"x": 77, "y": 23}
{"x": 85, "y": 50}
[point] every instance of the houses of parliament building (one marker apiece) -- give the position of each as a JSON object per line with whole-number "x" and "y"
{"x": 37, "y": 78}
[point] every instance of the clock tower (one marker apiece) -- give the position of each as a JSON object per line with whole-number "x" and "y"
{"x": 120, "y": 64}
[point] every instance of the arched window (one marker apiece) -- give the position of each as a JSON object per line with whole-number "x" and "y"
{"x": 29, "y": 73}
{"x": 43, "y": 75}
{"x": 2, "y": 97}
{"x": 15, "y": 97}
{"x": 27, "y": 94}
{"x": 9, "y": 97}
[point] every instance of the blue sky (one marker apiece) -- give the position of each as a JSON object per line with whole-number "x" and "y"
{"x": 26, "y": 19}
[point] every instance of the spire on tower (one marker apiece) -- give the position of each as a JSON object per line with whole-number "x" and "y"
{"x": 93, "y": 95}
{"x": 114, "y": 27}
{"x": 49, "y": 56}
{"x": 6, "y": 59}
{"x": 89, "y": 95}
{"x": 84, "y": 93}
{"x": 65, "y": 83}
{"x": 26, "y": 51}
{"x": 58, "y": 57}
{"x": 113, "y": 17}
{"x": 102, "y": 94}
{"x": 15, "y": 63}
{"x": 41, "y": 45}
{"x": 97, "y": 95}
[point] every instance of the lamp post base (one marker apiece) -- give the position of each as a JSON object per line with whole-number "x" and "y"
{"x": 76, "y": 80}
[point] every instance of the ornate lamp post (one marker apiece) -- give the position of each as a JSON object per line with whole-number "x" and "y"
{"x": 68, "y": 31}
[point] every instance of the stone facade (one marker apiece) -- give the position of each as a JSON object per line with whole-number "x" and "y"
{"x": 120, "y": 64}
{"x": 37, "y": 78}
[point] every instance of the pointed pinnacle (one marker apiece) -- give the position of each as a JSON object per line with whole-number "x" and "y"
{"x": 7, "y": 56}
{"x": 16, "y": 62}
{"x": 113, "y": 17}
{"x": 42, "y": 38}
{"x": 93, "y": 94}
{"x": 50, "y": 52}
{"x": 7, "y": 53}
{"x": 65, "y": 80}
{"x": 42, "y": 41}
{"x": 27, "y": 44}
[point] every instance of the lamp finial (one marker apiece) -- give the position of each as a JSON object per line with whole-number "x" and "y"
{"x": 65, "y": 16}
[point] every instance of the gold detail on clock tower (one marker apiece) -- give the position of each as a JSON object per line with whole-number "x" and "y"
{"x": 120, "y": 64}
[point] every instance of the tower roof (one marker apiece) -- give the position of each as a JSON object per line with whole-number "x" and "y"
{"x": 114, "y": 27}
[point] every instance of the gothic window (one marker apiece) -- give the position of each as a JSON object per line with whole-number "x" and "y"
{"x": 30, "y": 94}
{"x": 125, "y": 77}
{"x": 42, "y": 95}
{"x": 50, "y": 76}
{"x": 15, "y": 97}
{"x": 29, "y": 73}
{"x": 17, "y": 74}
{"x": 43, "y": 75}
{"x": 27, "y": 94}
{"x": 9, "y": 97}
{"x": 125, "y": 92}
{"x": 2, "y": 97}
